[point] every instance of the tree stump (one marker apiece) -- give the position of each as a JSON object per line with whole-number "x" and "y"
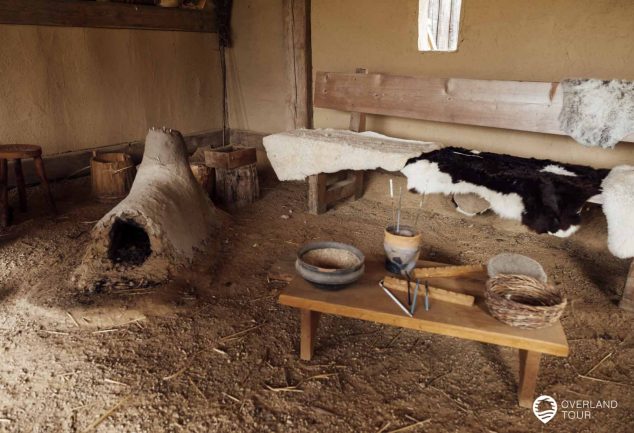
{"x": 236, "y": 175}
{"x": 112, "y": 175}
{"x": 205, "y": 176}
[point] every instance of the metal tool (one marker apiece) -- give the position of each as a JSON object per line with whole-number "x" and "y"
{"x": 398, "y": 211}
{"x": 420, "y": 208}
{"x": 392, "y": 197}
{"x": 395, "y": 299}
{"x": 426, "y": 295}
{"x": 412, "y": 307}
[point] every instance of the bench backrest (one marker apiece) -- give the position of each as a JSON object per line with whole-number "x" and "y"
{"x": 515, "y": 105}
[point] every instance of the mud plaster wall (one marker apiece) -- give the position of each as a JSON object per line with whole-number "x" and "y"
{"x": 74, "y": 88}
{"x": 540, "y": 40}
{"x": 259, "y": 88}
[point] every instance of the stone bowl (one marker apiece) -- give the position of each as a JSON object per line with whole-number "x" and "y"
{"x": 330, "y": 265}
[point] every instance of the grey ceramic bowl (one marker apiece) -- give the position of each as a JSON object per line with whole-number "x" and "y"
{"x": 511, "y": 263}
{"x": 331, "y": 276}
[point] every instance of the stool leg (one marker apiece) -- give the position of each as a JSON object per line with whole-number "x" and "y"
{"x": 4, "y": 194}
{"x": 19, "y": 181}
{"x": 39, "y": 169}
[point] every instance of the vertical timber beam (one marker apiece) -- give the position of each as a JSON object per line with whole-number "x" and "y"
{"x": 627, "y": 300}
{"x": 300, "y": 75}
{"x": 299, "y": 62}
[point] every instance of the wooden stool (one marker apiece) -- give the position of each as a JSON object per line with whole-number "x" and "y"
{"x": 17, "y": 152}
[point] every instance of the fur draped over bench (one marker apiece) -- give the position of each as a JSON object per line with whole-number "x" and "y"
{"x": 544, "y": 195}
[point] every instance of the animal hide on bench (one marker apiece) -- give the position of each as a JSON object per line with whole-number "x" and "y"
{"x": 618, "y": 207}
{"x": 544, "y": 195}
{"x": 597, "y": 112}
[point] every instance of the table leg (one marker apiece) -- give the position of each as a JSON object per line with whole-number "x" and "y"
{"x": 529, "y": 367}
{"x": 309, "y": 322}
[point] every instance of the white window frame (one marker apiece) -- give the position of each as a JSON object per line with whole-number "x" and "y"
{"x": 438, "y": 25}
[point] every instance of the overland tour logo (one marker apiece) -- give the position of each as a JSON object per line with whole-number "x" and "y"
{"x": 545, "y": 408}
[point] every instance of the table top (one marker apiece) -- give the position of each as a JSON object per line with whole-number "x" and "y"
{"x": 366, "y": 300}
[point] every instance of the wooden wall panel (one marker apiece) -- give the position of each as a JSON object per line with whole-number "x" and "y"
{"x": 514, "y": 105}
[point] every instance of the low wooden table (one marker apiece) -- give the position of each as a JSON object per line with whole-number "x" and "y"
{"x": 365, "y": 300}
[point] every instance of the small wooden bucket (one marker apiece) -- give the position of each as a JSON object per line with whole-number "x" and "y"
{"x": 112, "y": 175}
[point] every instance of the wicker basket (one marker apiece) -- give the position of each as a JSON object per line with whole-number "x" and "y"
{"x": 523, "y": 301}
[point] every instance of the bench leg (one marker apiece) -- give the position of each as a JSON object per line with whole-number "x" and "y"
{"x": 317, "y": 194}
{"x": 529, "y": 367}
{"x": 309, "y": 322}
{"x": 358, "y": 184}
{"x": 627, "y": 300}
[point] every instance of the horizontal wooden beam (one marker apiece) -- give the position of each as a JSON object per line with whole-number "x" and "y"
{"x": 73, "y": 13}
{"x": 514, "y": 105}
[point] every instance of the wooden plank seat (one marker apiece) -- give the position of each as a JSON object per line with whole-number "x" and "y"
{"x": 366, "y": 301}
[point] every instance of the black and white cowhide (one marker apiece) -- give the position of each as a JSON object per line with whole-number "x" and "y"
{"x": 597, "y": 112}
{"x": 545, "y": 195}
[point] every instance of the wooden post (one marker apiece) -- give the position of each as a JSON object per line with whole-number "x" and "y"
{"x": 627, "y": 300}
{"x": 309, "y": 322}
{"x": 299, "y": 64}
{"x": 529, "y": 367}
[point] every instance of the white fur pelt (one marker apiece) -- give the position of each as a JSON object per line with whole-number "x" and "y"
{"x": 426, "y": 178}
{"x": 597, "y": 112}
{"x": 618, "y": 206}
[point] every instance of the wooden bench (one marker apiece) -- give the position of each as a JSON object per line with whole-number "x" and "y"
{"x": 513, "y": 105}
{"x": 366, "y": 301}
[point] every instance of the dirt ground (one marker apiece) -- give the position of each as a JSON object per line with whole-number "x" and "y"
{"x": 202, "y": 352}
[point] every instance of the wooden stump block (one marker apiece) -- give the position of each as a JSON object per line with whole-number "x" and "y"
{"x": 206, "y": 177}
{"x": 236, "y": 175}
{"x": 237, "y": 187}
{"x": 112, "y": 175}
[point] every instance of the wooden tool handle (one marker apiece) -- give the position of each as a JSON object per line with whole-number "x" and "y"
{"x": 447, "y": 271}
{"x": 437, "y": 293}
